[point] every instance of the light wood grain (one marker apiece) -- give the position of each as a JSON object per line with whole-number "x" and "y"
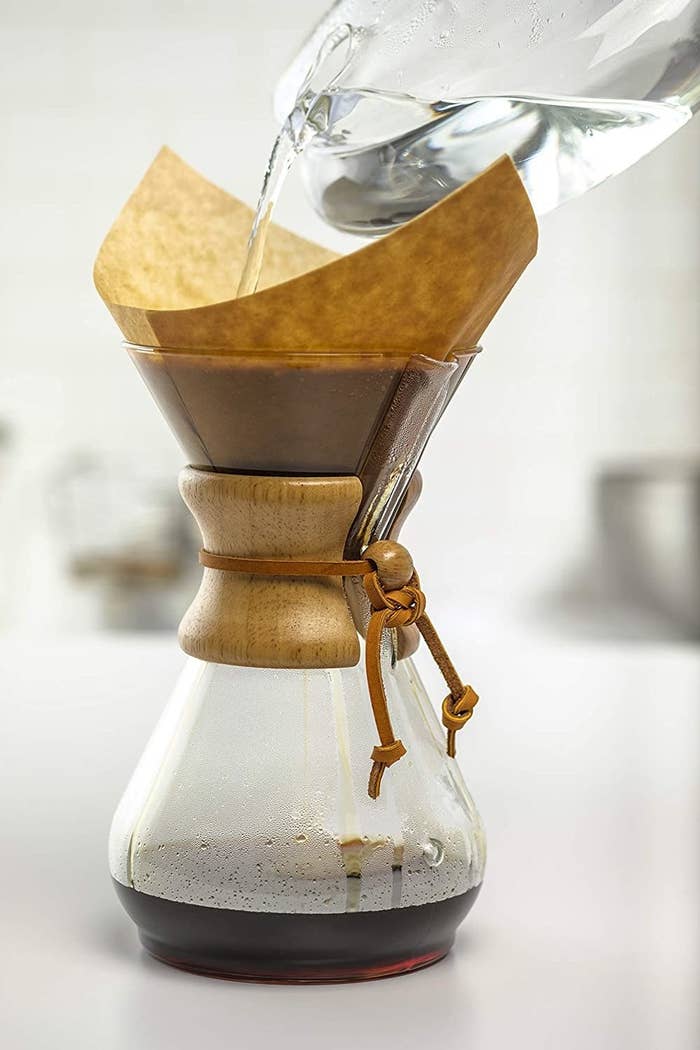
{"x": 271, "y": 621}
{"x": 394, "y": 563}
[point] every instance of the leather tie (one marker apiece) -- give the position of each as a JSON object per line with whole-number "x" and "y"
{"x": 399, "y": 607}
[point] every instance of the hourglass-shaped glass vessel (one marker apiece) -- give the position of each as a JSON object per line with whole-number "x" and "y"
{"x": 246, "y": 843}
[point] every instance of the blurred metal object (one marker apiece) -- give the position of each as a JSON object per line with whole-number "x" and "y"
{"x": 649, "y": 518}
{"x": 124, "y": 534}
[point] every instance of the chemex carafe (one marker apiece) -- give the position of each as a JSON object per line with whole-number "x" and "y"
{"x": 298, "y": 813}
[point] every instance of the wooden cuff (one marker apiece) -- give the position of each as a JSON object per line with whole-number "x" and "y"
{"x": 271, "y": 621}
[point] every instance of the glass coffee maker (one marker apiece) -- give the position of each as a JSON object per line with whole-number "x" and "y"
{"x": 247, "y": 843}
{"x": 298, "y": 814}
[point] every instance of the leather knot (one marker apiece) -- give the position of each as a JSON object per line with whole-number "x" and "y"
{"x": 399, "y": 608}
{"x": 404, "y": 606}
{"x": 387, "y": 754}
{"x": 383, "y": 756}
{"x": 456, "y": 714}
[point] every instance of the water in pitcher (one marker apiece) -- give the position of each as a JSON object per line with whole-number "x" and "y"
{"x": 424, "y": 96}
{"x": 562, "y": 147}
{"x": 431, "y": 93}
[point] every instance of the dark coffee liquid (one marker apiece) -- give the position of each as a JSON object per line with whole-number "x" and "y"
{"x": 272, "y": 413}
{"x": 282, "y": 947}
{"x": 305, "y": 414}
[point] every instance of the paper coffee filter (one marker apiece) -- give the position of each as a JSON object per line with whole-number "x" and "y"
{"x": 169, "y": 268}
{"x": 180, "y": 242}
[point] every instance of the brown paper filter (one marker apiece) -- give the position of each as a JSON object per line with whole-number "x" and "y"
{"x": 169, "y": 267}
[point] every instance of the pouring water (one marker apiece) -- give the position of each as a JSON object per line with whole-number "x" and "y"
{"x": 424, "y": 97}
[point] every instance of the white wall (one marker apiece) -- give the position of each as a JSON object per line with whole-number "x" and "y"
{"x": 594, "y": 357}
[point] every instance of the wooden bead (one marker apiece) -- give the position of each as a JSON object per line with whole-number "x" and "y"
{"x": 394, "y": 563}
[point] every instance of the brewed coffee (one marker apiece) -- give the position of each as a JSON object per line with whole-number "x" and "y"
{"x": 295, "y": 948}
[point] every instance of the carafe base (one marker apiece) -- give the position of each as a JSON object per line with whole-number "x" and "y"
{"x": 295, "y": 948}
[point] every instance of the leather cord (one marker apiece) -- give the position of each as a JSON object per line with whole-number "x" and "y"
{"x": 283, "y": 567}
{"x": 390, "y": 609}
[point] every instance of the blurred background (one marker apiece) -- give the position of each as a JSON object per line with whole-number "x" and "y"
{"x": 566, "y": 474}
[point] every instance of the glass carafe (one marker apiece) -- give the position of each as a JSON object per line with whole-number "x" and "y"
{"x": 422, "y": 97}
{"x": 246, "y": 843}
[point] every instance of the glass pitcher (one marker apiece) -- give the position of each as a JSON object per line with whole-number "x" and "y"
{"x": 422, "y": 97}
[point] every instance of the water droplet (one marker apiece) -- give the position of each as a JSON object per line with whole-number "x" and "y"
{"x": 300, "y": 838}
{"x": 434, "y": 853}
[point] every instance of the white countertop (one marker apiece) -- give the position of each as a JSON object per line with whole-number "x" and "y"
{"x": 585, "y": 763}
